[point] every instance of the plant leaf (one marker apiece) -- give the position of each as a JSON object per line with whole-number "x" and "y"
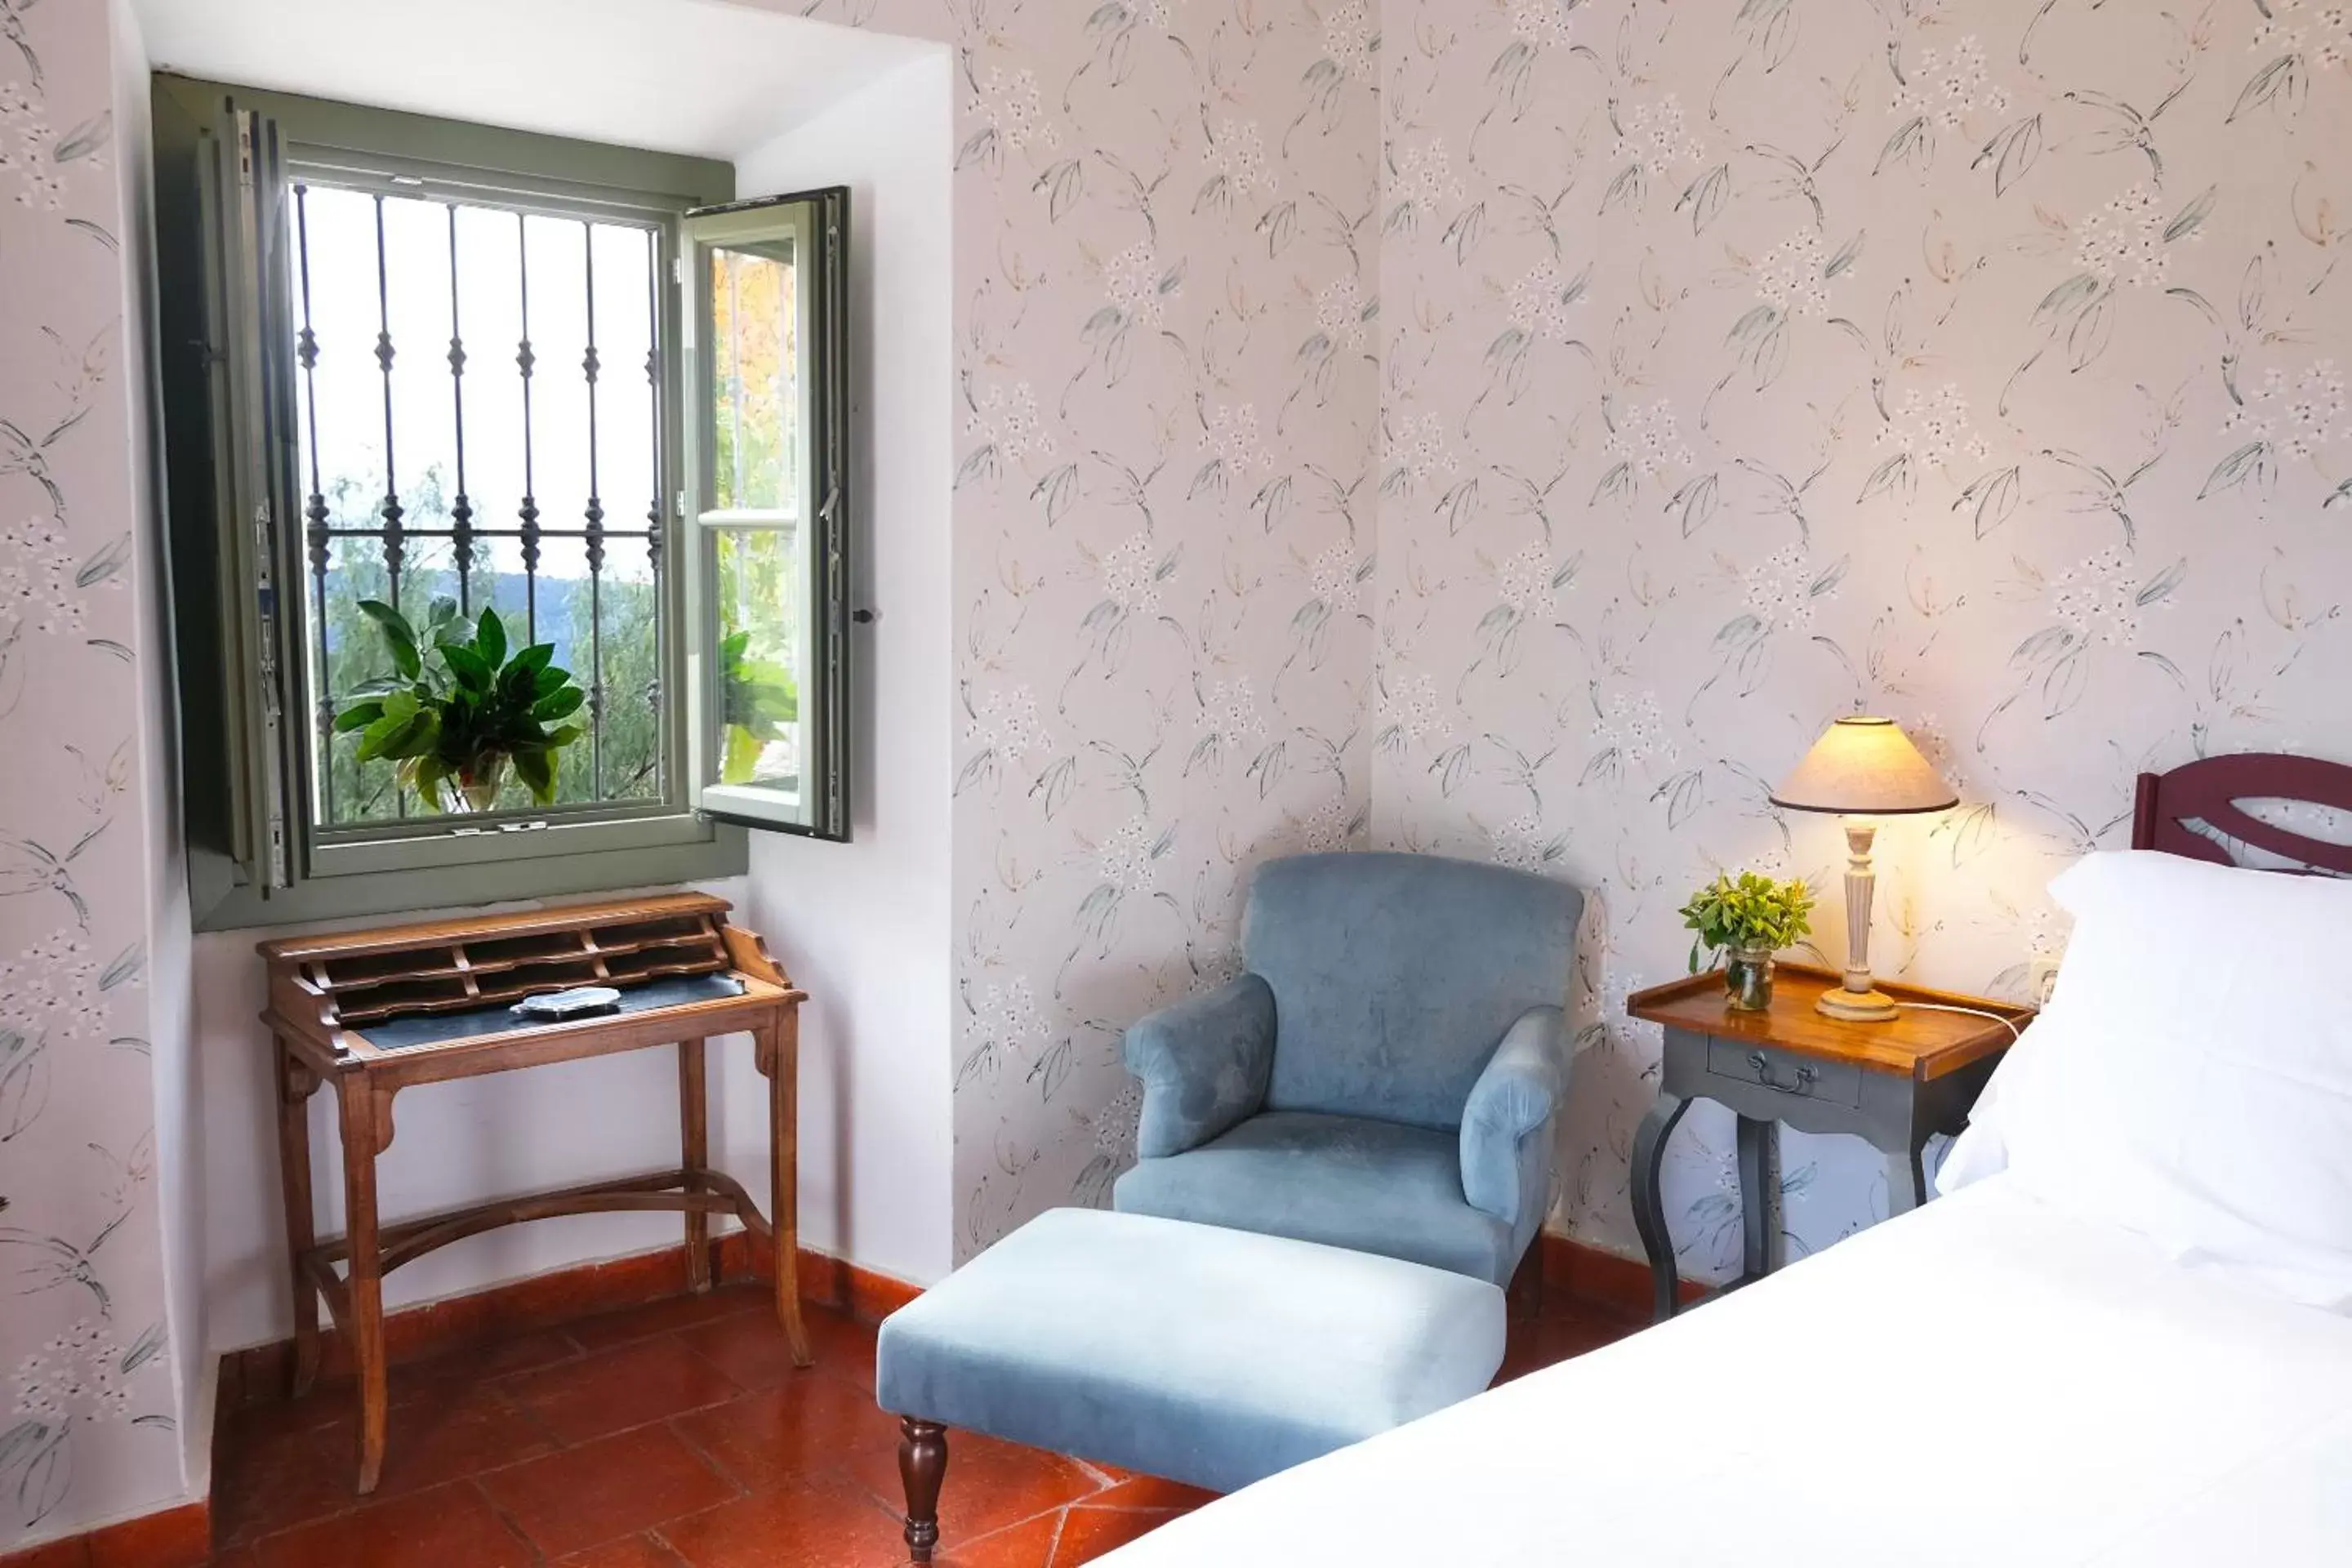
{"x": 490, "y": 638}
{"x": 558, "y": 704}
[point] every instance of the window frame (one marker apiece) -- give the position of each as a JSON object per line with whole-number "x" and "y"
{"x": 818, "y": 519}
{"x": 428, "y": 861}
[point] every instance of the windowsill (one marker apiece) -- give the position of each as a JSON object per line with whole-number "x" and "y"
{"x": 718, "y": 849}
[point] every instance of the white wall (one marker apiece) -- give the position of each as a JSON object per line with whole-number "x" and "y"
{"x": 455, "y": 1145}
{"x": 864, "y": 927}
{"x": 170, "y": 984}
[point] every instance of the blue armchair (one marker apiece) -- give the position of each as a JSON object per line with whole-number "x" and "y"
{"x": 1385, "y": 1076}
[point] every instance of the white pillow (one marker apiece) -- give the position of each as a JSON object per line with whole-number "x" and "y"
{"x": 2191, "y": 1078}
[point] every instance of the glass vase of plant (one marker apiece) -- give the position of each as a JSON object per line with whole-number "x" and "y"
{"x": 1743, "y": 921}
{"x": 457, "y": 711}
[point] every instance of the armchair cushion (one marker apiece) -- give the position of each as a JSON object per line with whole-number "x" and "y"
{"x": 1507, "y": 1127}
{"x": 1395, "y": 975}
{"x": 1344, "y": 1181}
{"x": 1203, "y": 1064}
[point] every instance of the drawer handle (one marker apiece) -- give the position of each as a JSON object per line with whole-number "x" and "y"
{"x": 1806, "y": 1076}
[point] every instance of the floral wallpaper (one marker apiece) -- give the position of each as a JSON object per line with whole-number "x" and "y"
{"x": 1502, "y": 427}
{"x": 1515, "y": 427}
{"x": 86, "y": 1403}
{"x": 1166, "y": 309}
{"x": 1982, "y": 362}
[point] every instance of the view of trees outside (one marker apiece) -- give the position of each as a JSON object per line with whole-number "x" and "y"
{"x": 761, "y": 584}
{"x": 431, "y": 275}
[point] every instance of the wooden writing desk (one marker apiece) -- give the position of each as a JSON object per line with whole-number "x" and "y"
{"x": 377, "y": 1012}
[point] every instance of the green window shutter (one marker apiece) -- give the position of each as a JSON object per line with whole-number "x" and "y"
{"x": 767, "y": 508}
{"x": 250, "y": 419}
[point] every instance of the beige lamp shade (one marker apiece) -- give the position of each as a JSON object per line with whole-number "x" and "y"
{"x": 1864, "y": 767}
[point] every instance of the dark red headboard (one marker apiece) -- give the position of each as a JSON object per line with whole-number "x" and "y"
{"x": 2209, "y": 791}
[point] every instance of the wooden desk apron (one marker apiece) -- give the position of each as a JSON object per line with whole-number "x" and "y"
{"x": 377, "y": 1012}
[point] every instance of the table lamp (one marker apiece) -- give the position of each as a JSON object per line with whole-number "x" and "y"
{"x": 1860, "y": 769}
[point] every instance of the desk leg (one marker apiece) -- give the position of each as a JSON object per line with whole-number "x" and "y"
{"x": 1649, "y": 1213}
{"x": 694, "y": 1143}
{"x": 780, "y": 1056}
{"x": 1906, "y": 1177}
{"x": 296, "y": 1084}
{"x": 1759, "y": 1196}
{"x": 365, "y": 1275}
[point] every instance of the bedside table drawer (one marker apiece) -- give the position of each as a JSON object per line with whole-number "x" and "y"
{"x": 1784, "y": 1072}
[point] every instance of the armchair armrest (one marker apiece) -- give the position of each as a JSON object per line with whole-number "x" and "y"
{"x": 1507, "y": 1123}
{"x": 1203, "y": 1064}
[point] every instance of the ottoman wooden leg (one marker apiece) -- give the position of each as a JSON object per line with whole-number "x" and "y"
{"x": 922, "y": 1466}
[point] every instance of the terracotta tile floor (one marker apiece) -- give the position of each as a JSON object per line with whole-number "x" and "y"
{"x": 678, "y": 1434}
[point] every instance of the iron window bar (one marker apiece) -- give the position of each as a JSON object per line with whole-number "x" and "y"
{"x": 395, "y": 537}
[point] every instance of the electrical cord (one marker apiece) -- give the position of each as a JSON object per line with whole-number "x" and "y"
{"x": 2009, "y": 1024}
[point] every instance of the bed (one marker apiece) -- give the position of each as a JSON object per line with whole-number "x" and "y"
{"x": 1992, "y": 1379}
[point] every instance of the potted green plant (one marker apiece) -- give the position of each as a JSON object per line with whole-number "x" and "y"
{"x": 755, "y": 695}
{"x": 1745, "y": 921}
{"x": 458, "y": 710}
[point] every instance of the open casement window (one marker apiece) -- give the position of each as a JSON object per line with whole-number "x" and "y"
{"x": 429, "y": 366}
{"x": 765, "y": 502}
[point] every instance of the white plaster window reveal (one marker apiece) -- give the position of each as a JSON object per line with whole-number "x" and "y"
{"x": 1238, "y": 152}
{"x": 2124, "y": 241}
{"x": 1016, "y": 110}
{"x": 1541, "y": 304}
{"x": 1007, "y": 418}
{"x": 1131, "y": 576}
{"x": 1635, "y": 728}
{"x": 1934, "y": 429}
{"x": 1126, "y": 860}
{"x": 1332, "y": 578}
{"x": 1542, "y": 23}
{"x": 1347, "y": 39}
{"x": 1009, "y": 721}
{"x": 1654, "y": 136}
{"x": 1781, "y": 589}
{"x": 2298, "y": 415}
{"x": 1524, "y": 581}
{"x": 1648, "y": 436}
{"x": 1133, "y": 281}
{"x": 1423, "y": 179}
{"x": 1339, "y": 311}
{"x": 1231, "y": 437}
{"x": 1416, "y": 446}
{"x": 2098, "y": 598}
{"x": 1229, "y": 711}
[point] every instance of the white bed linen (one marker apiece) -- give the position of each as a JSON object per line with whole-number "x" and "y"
{"x": 1984, "y": 1381}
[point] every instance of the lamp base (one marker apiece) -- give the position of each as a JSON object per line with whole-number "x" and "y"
{"x": 1857, "y": 1006}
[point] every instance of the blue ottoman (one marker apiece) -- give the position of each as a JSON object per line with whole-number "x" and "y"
{"x": 1210, "y": 1356}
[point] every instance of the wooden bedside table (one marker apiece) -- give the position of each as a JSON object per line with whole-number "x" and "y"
{"x": 1894, "y": 1084}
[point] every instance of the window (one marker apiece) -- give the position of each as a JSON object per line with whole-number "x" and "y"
{"x": 768, "y": 508}
{"x": 508, "y": 393}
